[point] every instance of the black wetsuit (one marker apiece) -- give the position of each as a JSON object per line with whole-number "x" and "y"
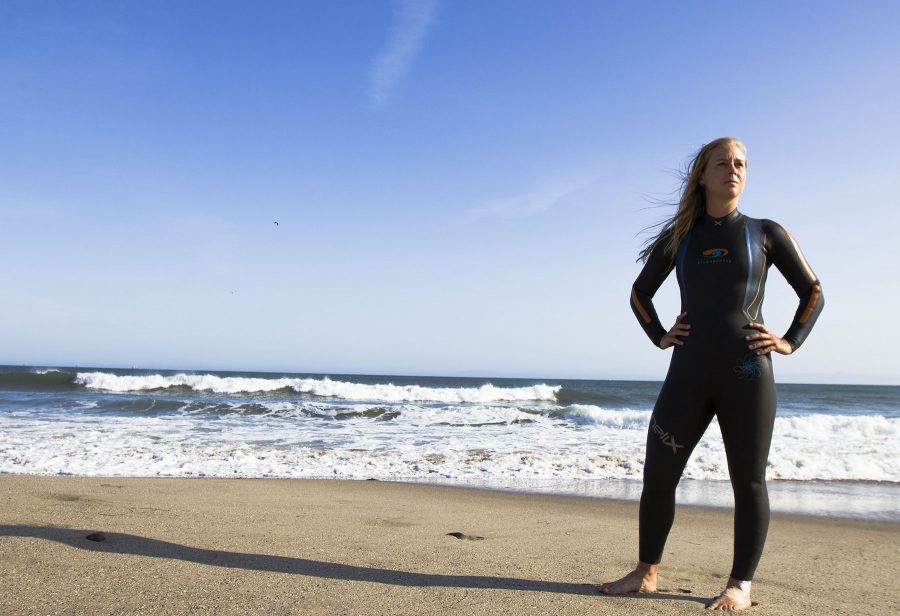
{"x": 721, "y": 267}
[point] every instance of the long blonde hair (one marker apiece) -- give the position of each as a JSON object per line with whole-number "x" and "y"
{"x": 691, "y": 205}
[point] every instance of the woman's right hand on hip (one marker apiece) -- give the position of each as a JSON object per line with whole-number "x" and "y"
{"x": 672, "y": 337}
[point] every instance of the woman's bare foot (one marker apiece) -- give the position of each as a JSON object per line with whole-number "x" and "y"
{"x": 732, "y": 599}
{"x": 642, "y": 579}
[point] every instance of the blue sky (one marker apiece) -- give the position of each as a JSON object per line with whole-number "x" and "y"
{"x": 459, "y": 186}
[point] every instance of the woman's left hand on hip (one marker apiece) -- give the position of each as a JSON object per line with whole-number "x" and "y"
{"x": 765, "y": 341}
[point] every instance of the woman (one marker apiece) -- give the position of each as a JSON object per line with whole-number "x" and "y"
{"x": 721, "y": 363}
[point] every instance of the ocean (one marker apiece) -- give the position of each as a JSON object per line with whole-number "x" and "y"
{"x": 835, "y": 451}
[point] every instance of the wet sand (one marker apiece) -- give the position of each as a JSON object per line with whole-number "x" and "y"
{"x": 253, "y": 546}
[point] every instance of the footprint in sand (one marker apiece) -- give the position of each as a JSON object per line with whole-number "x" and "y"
{"x": 466, "y": 537}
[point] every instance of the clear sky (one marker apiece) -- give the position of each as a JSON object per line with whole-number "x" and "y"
{"x": 459, "y": 186}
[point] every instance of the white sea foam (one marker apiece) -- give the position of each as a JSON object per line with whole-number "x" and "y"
{"x": 234, "y": 426}
{"x": 626, "y": 419}
{"x": 319, "y": 387}
{"x": 475, "y": 442}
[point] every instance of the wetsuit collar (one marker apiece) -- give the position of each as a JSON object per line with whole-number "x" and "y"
{"x": 722, "y": 221}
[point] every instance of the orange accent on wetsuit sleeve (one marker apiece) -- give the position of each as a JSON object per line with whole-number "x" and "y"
{"x": 817, "y": 290}
{"x": 640, "y": 309}
{"x": 803, "y": 262}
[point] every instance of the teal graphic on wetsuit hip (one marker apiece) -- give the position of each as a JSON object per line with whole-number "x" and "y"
{"x": 748, "y": 367}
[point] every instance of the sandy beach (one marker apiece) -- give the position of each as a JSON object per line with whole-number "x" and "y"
{"x": 251, "y": 546}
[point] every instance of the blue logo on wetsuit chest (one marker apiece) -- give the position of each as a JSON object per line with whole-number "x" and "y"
{"x": 714, "y": 255}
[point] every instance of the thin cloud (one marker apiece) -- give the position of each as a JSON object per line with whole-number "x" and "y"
{"x": 411, "y": 21}
{"x": 532, "y": 203}
{"x": 522, "y": 206}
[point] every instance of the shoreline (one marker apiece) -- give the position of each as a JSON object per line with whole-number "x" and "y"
{"x": 852, "y": 500}
{"x": 230, "y": 546}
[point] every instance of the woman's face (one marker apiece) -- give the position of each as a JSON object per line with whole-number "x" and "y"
{"x": 725, "y": 172}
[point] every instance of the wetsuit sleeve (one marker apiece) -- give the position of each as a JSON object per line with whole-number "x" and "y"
{"x": 655, "y": 271}
{"x": 784, "y": 252}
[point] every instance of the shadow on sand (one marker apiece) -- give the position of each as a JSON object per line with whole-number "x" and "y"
{"x": 122, "y": 543}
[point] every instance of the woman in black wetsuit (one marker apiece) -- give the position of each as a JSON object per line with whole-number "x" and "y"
{"x": 721, "y": 364}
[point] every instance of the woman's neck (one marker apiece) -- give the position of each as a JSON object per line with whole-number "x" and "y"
{"x": 718, "y": 209}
